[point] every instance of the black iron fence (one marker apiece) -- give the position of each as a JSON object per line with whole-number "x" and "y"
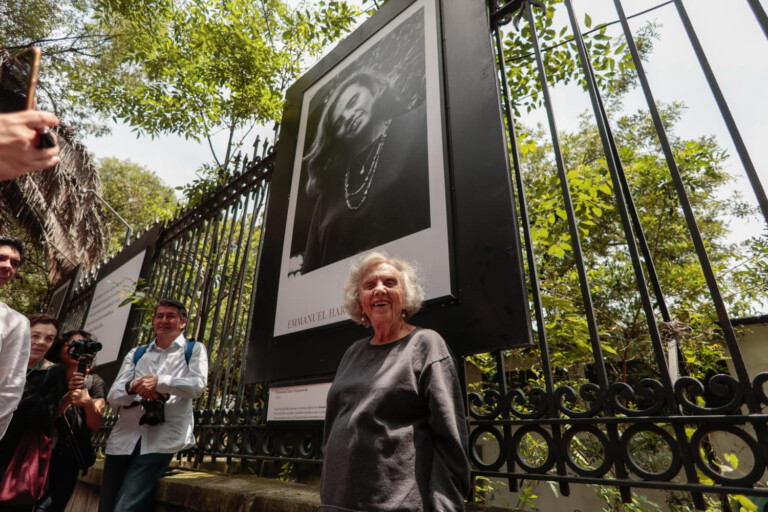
{"x": 600, "y": 400}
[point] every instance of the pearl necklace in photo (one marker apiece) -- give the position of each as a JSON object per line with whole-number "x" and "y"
{"x": 361, "y": 194}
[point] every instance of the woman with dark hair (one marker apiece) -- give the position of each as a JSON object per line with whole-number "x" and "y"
{"x": 82, "y": 408}
{"x": 395, "y": 428}
{"x": 32, "y": 422}
{"x": 367, "y": 170}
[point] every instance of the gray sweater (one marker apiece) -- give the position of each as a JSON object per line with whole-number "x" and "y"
{"x": 395, "y": 429}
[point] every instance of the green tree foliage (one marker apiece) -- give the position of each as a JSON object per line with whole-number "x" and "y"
{"x": 24, "y": 22}
{"x": 623, "y": 330}
{"x": 137, "y": 194}
{"x": 614, "y": 70}
{"x": 60, "y": 29}
{"x": 200, "y": 67}
{"x": 193, "y": 68}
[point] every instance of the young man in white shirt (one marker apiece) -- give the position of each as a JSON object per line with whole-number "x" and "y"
{"x": 160, "y": 380}
{"x": 14, "y": 336}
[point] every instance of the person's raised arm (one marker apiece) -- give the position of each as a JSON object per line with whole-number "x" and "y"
{"x": 118, "y": 393}
{"x": 13, "y": 369}
{"x": 79, "y": 396}
{"x": 19, "y": 153}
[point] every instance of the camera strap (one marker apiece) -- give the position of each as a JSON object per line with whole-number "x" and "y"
{"x": 190, "y": 345}
{"x": 140, "y": 351}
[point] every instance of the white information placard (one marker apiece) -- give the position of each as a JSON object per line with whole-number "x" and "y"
{"x": 298, "y": 403}
{"x": 107, "y": 320}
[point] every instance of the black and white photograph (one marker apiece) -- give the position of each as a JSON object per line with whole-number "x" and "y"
{"x": 368, "y": 171}
{"x": 394, "y": 142}
{"x": 364, "y": 171}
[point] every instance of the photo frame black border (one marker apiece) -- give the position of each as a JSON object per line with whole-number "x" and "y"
{"x": 489, "y": 307}
{"x": 70, "y": 281}
{"x": 313, "y": 300}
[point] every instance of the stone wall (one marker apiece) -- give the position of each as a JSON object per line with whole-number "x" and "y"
{"x": 184, "y": 490}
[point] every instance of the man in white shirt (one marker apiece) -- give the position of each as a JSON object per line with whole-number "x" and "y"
{"x": 141, "y": 445}
{"x": 14, "y": 336}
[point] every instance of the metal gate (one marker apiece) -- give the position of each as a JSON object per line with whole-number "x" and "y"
{"x": 574, "y": 409}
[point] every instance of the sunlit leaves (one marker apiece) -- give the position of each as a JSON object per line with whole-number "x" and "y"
{"x": 197, "y": 67}
{"x": 613, "y": 66}
{"x": 137, "y": 194}
{"x": 613, "y": 286}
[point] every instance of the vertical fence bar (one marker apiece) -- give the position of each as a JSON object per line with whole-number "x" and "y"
{"x": 541, "y": 331}
{"x": 714, "y": 288}
{"x": 172, "y": 265}
{"x": 261, "y": 194}
{"x": 615, "y": 169}
{"x": 230, "y": 317}
{"x": 572, "y": 227}
{"x": 760, "y": 15}
{"x": 240, "y": 294}
{"x": 226, "y": 294}
{"x": 205, "y": 294}
{"x": 725, "y": 111}
{"x": 164, "y": 266}
{"x": 222, "y": 292}
{"x": 191, "y": 273}
{"x": 196, "y": 298}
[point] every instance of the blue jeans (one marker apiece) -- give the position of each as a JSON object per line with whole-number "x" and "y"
{"x": 128, "y": 483}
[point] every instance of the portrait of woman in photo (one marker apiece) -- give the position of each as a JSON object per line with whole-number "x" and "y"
{"x": 367, "y": 171}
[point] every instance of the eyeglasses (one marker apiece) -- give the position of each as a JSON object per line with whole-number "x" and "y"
{"x": 166, "y": 316}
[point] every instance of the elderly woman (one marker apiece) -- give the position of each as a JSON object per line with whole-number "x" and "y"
{"x": 367, "y": 171}
{"x": 32, "y": 422}
{"x": 395, "y": 427}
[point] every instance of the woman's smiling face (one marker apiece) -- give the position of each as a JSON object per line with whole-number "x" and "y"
{"x": 41, "y": 337}
{"x": 352, "y": 113}
{"x": 381, "y": 294}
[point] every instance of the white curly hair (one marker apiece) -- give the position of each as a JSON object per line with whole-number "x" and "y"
{"x": 413, "y": 288}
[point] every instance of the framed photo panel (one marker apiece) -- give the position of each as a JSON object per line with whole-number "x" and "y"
{"x": 62, "y": 294}
{"x": 366, "y": 160}
{"x": 347, "y": 197}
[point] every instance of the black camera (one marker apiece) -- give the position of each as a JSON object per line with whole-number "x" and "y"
{"x": 83, "y": 348}
{"x": 83, "y": 351}
{"x": 154, "y": 411}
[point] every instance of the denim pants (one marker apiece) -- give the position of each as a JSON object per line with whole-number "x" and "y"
{"x": 128, "y": 483}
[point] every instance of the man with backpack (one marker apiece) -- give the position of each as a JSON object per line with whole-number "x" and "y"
{"x": 155, "y": 389}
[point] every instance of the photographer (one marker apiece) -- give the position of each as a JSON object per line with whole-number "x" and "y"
{"x": 81, "y": 414}
{"x": 155, "y": 388}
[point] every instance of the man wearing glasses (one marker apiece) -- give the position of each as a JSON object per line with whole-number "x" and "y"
{"x": 155, "y": 389}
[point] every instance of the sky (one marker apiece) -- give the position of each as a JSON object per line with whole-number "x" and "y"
{"x": 735, "y": 47}
{"x": 732, "y": 39}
